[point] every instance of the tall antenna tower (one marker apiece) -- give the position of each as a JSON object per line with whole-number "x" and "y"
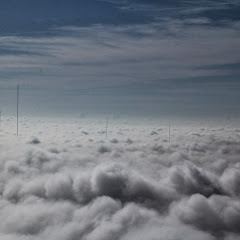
{"x": 17, "y": 106}
{"x": 107, "y": 127}
{"x": 0, "y": 118}
{"x": 169, "y": 132}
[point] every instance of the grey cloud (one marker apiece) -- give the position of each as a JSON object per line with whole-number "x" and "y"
{"x": 217, "y": 215}
{"x": 190, "y": 179}
{"x": 145, "y": 188}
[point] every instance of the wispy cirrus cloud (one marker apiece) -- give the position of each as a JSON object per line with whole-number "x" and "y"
{"x": 174, "y": 47}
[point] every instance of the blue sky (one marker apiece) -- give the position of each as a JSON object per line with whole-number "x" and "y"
{"x": 159, "y": 58}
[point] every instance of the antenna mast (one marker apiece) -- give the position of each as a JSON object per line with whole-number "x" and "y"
{"x": 107, "y": 128}
{"x": 169, "y": 132}
{"x": 17, "y": 106}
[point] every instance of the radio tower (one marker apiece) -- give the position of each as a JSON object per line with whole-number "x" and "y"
{"x": 169, "y": 132}
{"x": 17, "y": 106}
{"x": 107, "y": 127}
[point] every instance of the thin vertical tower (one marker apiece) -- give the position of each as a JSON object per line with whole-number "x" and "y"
{"x": 107, "y": 128}
{"x": 0, "y": 118}
{"x": 17, "y": 106}
{"x": 169, "y": 132}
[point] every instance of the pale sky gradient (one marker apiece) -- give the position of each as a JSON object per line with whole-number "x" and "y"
{"x": 159, "y": 58}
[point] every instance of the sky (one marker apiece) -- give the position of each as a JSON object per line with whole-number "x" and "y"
{"x": 138, "y": 58}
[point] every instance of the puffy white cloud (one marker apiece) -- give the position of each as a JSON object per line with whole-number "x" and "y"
{"x": 142, "y": 188}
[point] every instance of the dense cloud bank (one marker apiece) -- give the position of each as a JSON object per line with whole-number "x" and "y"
{"x": 67, "y": 181}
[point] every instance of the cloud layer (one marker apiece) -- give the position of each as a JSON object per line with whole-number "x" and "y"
{"x": 66, "y": 184}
